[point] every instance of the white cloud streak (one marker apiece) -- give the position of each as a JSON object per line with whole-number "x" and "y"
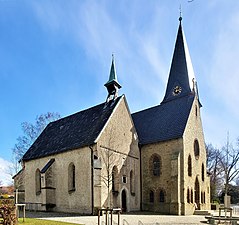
{"x": 5, "y": 176}
{"x": 94, "y": 28}
{"x": 140, "y": 50}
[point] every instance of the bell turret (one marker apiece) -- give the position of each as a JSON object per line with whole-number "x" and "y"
{"x": 112, "y": 84}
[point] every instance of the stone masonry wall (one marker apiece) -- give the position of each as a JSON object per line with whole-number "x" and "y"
{"x": 168, "y": 181}
{"x": 76, "y": 201}
{"x": 194, "y": 131}
{"x": 119, "y": 143}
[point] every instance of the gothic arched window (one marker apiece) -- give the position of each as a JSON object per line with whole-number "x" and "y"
{"x": 71, "y": 177}
{"x": 155, "y": 165}
{"x": 203, "y": 172}
{"x": 189, "y": 166}
{"x": 196, "y": 148}
{"x": 38, "y": 182}
{"x": 188, "y": 196}
{"x": 191, "y": 195}
{"x": 161, "y": 196}
{"x": 151, "y": 196}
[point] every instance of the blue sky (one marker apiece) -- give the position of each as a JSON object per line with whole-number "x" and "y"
{"x": 55, "y": 56}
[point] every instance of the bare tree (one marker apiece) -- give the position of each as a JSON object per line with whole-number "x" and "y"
{"x": 229, "y": 161}
{"x": 30, "y": 133}
{"x": 110, "y": 158}
{"x": 215, "y": 170}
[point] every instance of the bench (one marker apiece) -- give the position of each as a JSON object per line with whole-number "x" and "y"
{"x": 213, "y": 219}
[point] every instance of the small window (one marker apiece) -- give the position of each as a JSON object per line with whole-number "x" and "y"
{"x": 161, "y": 196}
{"x": 156, "y": 166}
{"x": 38, "y": 182}
{"x": 124, "y": 179}
{"x": 196, "y": 149}
{"x": 151, "y": 196}
{"x": 189, "y": 166}
{"x": 71, "y": 178}
{"x": 196, "y": 110}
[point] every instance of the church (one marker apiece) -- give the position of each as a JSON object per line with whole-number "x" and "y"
{"x": 105, "y": 156}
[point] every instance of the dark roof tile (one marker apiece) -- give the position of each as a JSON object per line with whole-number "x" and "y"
{"x": 72, "y": 132}
{"x": 164, "y": 122}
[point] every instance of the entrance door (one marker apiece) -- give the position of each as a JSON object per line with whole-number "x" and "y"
{"x": 197, "y": 193}
{"x": 124, "y": 201}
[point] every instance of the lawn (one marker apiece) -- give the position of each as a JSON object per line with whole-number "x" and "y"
{"x": 30, "y": 221}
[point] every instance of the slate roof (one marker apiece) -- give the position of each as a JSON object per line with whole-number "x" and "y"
{"x": 72, "y": 132}
{"x": 163, "y": 122}
{"x": 181, "y": 69}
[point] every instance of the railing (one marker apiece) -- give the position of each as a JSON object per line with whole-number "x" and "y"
{"x": 109, "y": 219}
{"x": 235, "y": 209}
{"x": 36, "y": 206}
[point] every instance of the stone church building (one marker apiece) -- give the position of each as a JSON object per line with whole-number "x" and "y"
{"x": 104, "y": 156}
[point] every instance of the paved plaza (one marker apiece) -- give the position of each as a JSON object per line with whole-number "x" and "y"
{"x": 125, "y": 219}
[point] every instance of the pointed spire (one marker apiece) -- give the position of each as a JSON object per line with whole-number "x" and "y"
{"x": 112, "y": 84}
{"x": 181, "y": 76}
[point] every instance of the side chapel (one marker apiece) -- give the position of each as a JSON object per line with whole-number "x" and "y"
{"x": 104, "y": 156}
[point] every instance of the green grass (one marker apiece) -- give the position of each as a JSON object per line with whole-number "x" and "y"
{"x": 30, "y": 221}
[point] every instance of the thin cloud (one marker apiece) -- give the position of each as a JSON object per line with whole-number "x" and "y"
{"x": 93, "y": 27}
{"x": 224, "y": 71}
{"x": 141, "y": 48}
{"x": 5, "y": 177}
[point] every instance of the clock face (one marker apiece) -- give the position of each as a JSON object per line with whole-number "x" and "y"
{"x": 177, "y": 90}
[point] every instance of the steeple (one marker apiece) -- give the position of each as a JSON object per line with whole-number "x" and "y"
{"x": 112, "y": 84}
{"x": 181, "y": 81}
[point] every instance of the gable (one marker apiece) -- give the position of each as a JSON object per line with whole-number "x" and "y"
{"x": 164, "y": 122}
{"x": 72, "y": 132}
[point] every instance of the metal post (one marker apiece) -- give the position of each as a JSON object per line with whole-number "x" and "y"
{"x": 106, "y": 217}
{"x": 111, "y": 217}
{"x": 99, "y": 216}
{"x": 118, "y": 217}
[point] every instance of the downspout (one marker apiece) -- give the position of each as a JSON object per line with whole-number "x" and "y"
{"x": 92, "y": 181}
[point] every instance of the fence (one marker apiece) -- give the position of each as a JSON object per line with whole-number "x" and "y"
{"x": 235, "y": 209}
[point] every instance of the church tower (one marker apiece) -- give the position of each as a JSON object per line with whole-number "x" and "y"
{"x": 181, "y": 81}
{"x": 112, "y": 84}
{"x": 172, "y": 144}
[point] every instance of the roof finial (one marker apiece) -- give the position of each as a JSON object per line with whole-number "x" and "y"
{"x": 112, "y": 84}
{"x": 180, "y": 13}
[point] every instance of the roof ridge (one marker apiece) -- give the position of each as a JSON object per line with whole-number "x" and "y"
{"x": 91, "y": 108}
{"x": 163, "y": 103}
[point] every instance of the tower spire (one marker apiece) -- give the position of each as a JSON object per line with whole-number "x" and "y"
{"x": 181, "y": 75}
{"x": 112, "y": 84}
